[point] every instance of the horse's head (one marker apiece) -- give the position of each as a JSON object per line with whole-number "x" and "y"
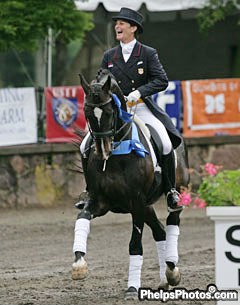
{"x": 101, "y": 112}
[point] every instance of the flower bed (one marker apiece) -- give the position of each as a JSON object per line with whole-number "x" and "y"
{"x": 218, "y": 188}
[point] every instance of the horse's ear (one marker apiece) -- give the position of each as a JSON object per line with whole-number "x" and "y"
{"x": 84, "y": 84}
{"x": 107, "y": 86}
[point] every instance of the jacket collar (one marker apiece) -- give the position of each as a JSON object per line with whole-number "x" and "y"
{"x": 135, "y": 53}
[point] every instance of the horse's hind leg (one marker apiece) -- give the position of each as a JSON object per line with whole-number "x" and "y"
{"x": 159, "y": 236}
{"x": 171, "y": 257}
{"x": 82, "y": 229}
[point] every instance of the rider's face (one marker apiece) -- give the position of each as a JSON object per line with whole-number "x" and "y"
{"x": 124, "y": 31}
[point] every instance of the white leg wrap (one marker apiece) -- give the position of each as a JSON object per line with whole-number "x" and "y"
{"x": 172, "y": 233}
{"x": 161, "y": 248}
{"x": 82, "y": 229}
{"x": 135, "y": 267}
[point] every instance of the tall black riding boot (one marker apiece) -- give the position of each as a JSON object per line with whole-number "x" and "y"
{"x": 169, "y": 181}
{"x": 83, "y": 197}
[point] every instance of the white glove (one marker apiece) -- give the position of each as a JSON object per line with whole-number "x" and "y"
{"x": 134, "y": 96}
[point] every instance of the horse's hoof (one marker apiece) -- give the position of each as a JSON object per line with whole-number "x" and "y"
{"x": 163, "y": 284}
{"x": 79, "y": 269}
{"x": 131, "y": 294}
{"x": 173, "y": 276}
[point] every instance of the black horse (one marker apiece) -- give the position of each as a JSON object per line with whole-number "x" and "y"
{"x": 125, "y": 183}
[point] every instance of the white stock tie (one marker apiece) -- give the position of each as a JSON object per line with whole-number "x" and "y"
{"x": 126, "y": 51}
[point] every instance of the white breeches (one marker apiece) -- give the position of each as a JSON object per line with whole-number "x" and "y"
{"x": 147, "y": 117}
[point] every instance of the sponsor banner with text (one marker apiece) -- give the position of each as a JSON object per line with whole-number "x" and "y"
{"x": 170, "y": 101}
{"x": 64, "y": 110}
{"x": 211, "y": 107}
{"x": 18, "y": 116}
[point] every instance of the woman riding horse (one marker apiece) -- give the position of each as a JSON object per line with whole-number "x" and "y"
{"x": 138, "y": 73}
{"x": 122, "y": 183}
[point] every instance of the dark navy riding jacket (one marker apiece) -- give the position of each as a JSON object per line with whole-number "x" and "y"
{"x": 144, "y": 72}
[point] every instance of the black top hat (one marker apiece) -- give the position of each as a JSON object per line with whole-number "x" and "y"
{"x": 131, "y": 16}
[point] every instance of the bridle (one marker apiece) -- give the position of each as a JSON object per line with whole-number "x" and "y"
{"x": 108, "y": 133}
{"x": 113, "y": 131}
{"x": 117, "y": 133}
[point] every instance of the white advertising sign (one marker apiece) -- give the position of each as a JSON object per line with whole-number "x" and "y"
{"x": 227, "y": 249}
{"x": 18, "y": 116}
{"x": 228, "y": 256}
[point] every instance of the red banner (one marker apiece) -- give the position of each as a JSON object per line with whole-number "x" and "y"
{"x": 211, "y": 107}
{"x": 64, "y": 111}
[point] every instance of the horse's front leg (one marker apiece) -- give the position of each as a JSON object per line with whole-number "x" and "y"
{"x": 135, "y": 252}
{"x": 171, "y": 256}
{"x": 82, "y": 229}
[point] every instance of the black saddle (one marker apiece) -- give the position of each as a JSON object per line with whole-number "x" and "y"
{"x": 156, "y": 144}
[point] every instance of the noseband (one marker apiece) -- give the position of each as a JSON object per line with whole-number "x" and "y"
{"x": 99, "y": 105}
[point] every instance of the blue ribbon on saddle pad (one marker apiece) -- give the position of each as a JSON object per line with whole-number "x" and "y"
{"x": 125, "y": 116}
{"x": 127, "y": 146}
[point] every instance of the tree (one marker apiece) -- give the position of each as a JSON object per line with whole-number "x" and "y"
{"x": 24, "y": 27}
{"x": 23, "y": 23}
{"x": 215, "y": 11}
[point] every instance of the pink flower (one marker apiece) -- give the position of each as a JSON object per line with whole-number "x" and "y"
{"x": 211, "y": 169}
{"x": 185, "y": 199}
{"x": 199, "y": 203}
